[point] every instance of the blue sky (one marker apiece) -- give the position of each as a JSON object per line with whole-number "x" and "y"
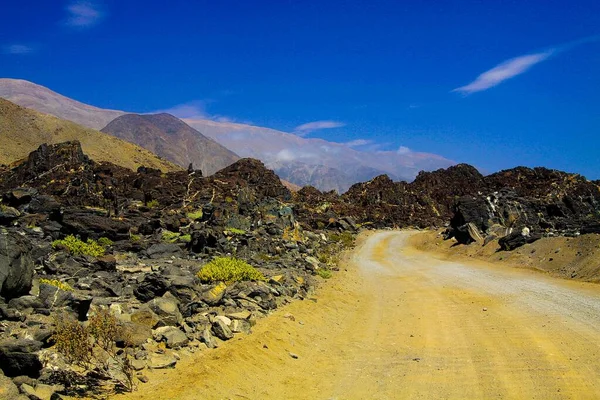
{"x": 492, "y": 83}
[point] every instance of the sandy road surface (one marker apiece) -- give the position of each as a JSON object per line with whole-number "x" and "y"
{"x": 403, "y": 324}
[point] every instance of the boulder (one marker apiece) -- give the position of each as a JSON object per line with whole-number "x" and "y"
{"x": 240, "y": 326}
{"x": 16, "y": 265}
{"x": 163, "y": 250}
{"x": 213, "y": 296}
{"x": 161, "y": 361}
{"x": 167, "y": 309}
{"x": 517, "y": 239}
{"x": 8, "y": 214}
{"x": 221, "y": 330}
{"x": 19, "y": 357}
{"x": 172, "y": 336}
{"x": 8, "y": 390}
{"x": 152, "y": 286}
{"x": 207, "y": 338}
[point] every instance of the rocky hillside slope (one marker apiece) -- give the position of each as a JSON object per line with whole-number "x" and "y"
{"x": 23, "y": 130}
{"x": 127, "y": 252}
{"x": 520, "y": 204}
{"x": 173, "y": 139}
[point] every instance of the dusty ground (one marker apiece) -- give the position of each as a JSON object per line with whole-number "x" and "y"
{"x": 400, "y": 323}
{"x": 574, "y": 258}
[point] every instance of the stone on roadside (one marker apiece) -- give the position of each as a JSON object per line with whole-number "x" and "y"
{"x": 214, "y": 295}
{"x": 208, "y": 339}
{"x": 240, "y": 326}
{"x": 41, "y": 391}
{"x": 173, "y": 337}
{"x": 161, "y": 361}
{"x": 221, "y": 330}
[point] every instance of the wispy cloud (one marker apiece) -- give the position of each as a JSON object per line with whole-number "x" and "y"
{"x": 193, "y": 110}
{"x": 503, "y": 71}
{"x": 305, "y": 129}
{"x": 517, "y": 66}
{"x": 84, "y": 14}
{"x": 197, "y": 109}
{"x": 18, "y": 49}
{"x": 359, "y": 143}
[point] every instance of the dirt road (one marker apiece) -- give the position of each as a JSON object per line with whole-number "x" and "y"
{"x": 403, "y": 324}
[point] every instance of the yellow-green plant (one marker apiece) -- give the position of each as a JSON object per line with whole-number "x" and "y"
{"x": 57, "y": 284}
{"x": 236, "y": 231}
{"x": 324, "y": 273}
{"x": 105, "y": 242}
{"x": 170, "y": 237}
{"x": 134, "y": 238}
{"x": 229, "y": 269}
{"x": 194, "y": 215}
{"x": 152, "y": 204}
{"x": 76, "y": 246}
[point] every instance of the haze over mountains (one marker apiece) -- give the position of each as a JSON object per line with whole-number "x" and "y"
{"x": 302, "y": 161}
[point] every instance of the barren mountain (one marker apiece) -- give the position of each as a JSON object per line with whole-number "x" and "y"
{"x": 42, "y": 99}
{"x": 320, "y": 163}
{"x": 173, "y": 139}
{"x": 23, "y": 130}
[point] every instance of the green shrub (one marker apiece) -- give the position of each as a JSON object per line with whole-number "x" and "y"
{"x": 134, "y": 238}
{"x": 56, "y": 283}
{"x": 185, "y": 238}
{"x": 105, "y": 242}
{"x": 194, "y": 215}
{"x": 324, "y": 273}
{"x": 152, "y": 204}
{"x": 346, "y": 239}
{"x": 236, "y": 231}
{"x": 170, "y": 237}
{"x": 229, "y": 269}
{"x": 78, "y": 247}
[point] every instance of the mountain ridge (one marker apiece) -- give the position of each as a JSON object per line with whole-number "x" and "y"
{"x": 22, "y": 130}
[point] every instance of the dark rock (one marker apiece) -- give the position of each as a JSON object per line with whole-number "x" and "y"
{"x": 18, "y": 357}
{"x": 8, "y": 214}
{"x": 106, "y": 263}
{"x": 221, "y": 330}
{"x": 152, "y": 286}
{"x": 163, "y": 250}
{"x": 516, "y": 239}
{"x": 16, "y": 265}
{"x": 203, "y": 240}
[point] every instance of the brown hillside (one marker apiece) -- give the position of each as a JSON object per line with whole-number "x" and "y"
{"x": 173, "y": 139}
{"x": 22, "y": 130}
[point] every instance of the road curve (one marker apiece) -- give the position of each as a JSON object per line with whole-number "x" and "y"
{"x": 403, "y": 324}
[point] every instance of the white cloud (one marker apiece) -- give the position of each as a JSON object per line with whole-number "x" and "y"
{"x": 358, "y": 143}
{"x": 403, "y": 150}
{"x": 191, "y": 110}
{"x": 307, "y": 128}
{"x": 18, "y": 49}
{"x": 503, "y": 71}
{"x": 83, "y": 14}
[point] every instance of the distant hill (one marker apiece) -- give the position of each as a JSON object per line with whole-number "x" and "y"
{"x": 320, "y": 163}
{"x": 172, "y": 139}
{"x": 23, "y": 130}
{"x": 42, "y": 99}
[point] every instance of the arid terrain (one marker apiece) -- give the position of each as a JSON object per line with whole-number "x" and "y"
{"x": 401, "y": 323}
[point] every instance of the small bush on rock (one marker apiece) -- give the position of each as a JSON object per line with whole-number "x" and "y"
{"x": 105, "y": 242}
{"x": 78, "y": 247}
{"x": 93, "y": 347}
{"x": 228, "y": 269}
